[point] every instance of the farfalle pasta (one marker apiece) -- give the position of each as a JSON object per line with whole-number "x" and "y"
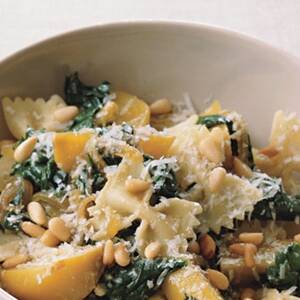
{"x": 106, "y": 196}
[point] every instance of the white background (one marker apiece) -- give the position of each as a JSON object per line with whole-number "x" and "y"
{"x": 23, "y": 22}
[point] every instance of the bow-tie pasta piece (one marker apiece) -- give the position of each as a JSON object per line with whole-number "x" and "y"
{"x": 6, "y": 163}
{"x": 170, "y": 223}
{"x": 22, "y": 113}
{"x": 233, "y": 201}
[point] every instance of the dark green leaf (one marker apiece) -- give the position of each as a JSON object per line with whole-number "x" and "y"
{"x": 112, "y": 160}
{"x": 164, "y": 181}
{"x": 90, "y": 179}
{"x": 215, "y": 120}
{"x": 12, "y": 220}
{"x": 141, "y": 279}
{"x": 276, "y": 204}
{"x": 250, "y": 159}
{"x": 130, "y": 231}
{"x": 41, "y": 170}
{"x": 77, "y": 93}
{"x": 285, "y": 272}
{"x": 86, "y": 117}
{"x": 90, "y": 99}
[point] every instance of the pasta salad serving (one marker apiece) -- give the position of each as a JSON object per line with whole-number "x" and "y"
{"x": 104, "y": 196}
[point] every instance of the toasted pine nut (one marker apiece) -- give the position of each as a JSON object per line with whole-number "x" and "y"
{"x": 135, "y": 185}
{"x": 121, "y": 255}
{"x": 58, "y": 227}
{"x": 217, "y": 279}
{"x": 297, "y": 238}
{"x": 218, "y": 134}
{"x": 216, "y": 179}
{"x": 241, "y": 169}
{"x": 28, "y": 191}
{"x": 161, "y": 106}
{"x": 255, "y": 238}
{"x": 24, "y": 150}
{"x": 99, "y": 290}
{"x": 209, "y": 149}
{"x": 107, "y": 114}
{"x": 237, "y": 248}
{"x": 84, "y": 205}
{"x": 108, "y": 253}
{"x": 194, "y": 247}
{"x": 49, "y": 239}
{"x": 250, "y": 250}
{"x": 37, "y": 213}
{"x": 207, "y": 246}
{"x": 248, "y": 294}
{"x": 32, "y": 229}
{"x": 269, "y": 151}
{"x": 153, "y": 250}
{"x": 66, "y": 114}
{"x": 13, "y": 261}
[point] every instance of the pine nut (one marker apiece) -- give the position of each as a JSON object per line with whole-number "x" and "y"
{"x": 241, "y": 169}
{"x": 248, "y": 294}
{"x": 49, "y": 239}
{"x": 13, "y": 261}
{"x": 161, "y": 106}
{"x": 32, "y": 229}
{"x": 297, "y": 238}
{"x": 135, "y": 185}
{"x": 269, "y": 151}
{"x": 84, "y": 205}
{"x": 99, "y": 290}
{"x": 37, "y": 213}
{"x": 108, "y": 253}
{"x": 217, "y": 279}
{"x": 107, "y": 114}
{"x": 66, "y": 114}
{"x": 121, "y": 256}
{"x": 153, "y": 250}
{"x": 216, "y": 179}
{"x": 24, "y": 150}
{"x": 209, "y": 149}
{"x": 250, "y": 251}
{"x": 28, "y": 191}
{"x": 194, "y": 247}
{"x": 237, "y": 248}
{"x": 255, "y": 238}
{"x": 58, "y": 227}
{"x": 207, "y": 246}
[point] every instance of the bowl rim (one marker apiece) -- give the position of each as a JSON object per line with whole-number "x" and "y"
{"x": 180, "y": 24}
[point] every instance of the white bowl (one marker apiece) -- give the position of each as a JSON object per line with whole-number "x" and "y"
{"x": 163, "y": 59}
{"x": 156, "y": 59}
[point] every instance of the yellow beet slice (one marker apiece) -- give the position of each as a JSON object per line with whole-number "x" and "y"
{"x": 214, "y": 109}
{"x": 189, "y": 282}
{"x": 68, "y": 279}
{"x": 132, "y": 110}
{"x": 67, "y": 146}
{"x": 156, "y": 145}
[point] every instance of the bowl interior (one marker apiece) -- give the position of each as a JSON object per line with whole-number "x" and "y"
{"x": 163, "y": 59}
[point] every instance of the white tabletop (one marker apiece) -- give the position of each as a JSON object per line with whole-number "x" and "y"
{"x": 25, "y": 22}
